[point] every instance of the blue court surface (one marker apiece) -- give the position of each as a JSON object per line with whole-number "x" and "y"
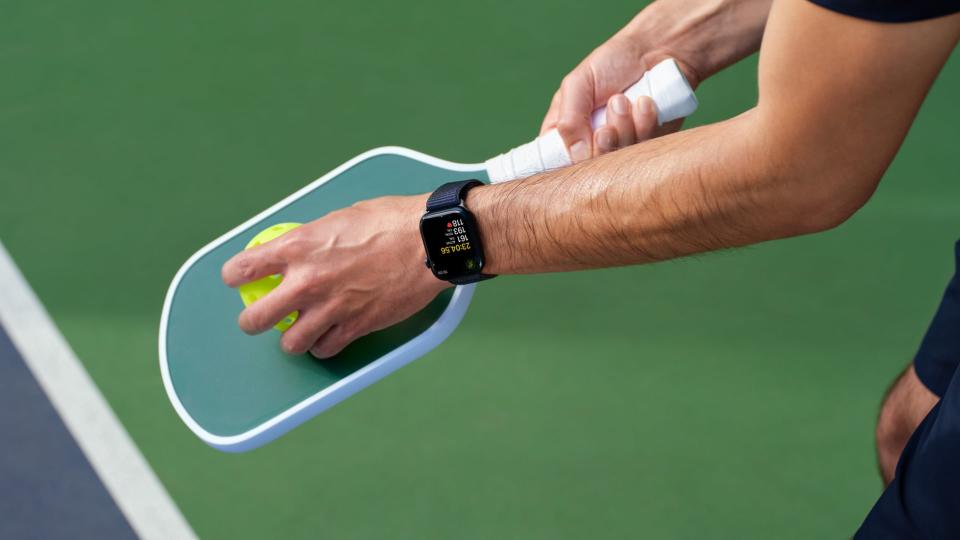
{"x": 68, "y": 469}
{"x": 48, "y": 489}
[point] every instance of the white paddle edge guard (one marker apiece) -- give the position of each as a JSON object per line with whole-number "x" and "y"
{"x": 420, "y": 345}
{"x": 665, "y": 84}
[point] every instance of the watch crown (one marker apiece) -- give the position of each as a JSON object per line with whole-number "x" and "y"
{"x": 426, "y": 262}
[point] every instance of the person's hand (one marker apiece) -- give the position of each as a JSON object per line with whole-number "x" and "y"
{"x": 599, "y": 80}
{"x": 349, "y": 273}
{"x": 702, "y": 37}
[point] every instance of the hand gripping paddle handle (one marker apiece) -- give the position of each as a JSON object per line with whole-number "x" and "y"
{"x": 664, "y": 83}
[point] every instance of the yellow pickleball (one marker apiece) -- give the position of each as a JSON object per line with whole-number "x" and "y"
{"x": 255, "y": 290}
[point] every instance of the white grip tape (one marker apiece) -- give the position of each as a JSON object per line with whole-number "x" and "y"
{"x": 664, "y": 83}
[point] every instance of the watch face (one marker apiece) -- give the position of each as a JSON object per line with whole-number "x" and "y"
{"x": 452, "y": 245}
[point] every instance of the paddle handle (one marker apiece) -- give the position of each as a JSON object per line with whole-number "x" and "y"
{"x": 665, "y": 84}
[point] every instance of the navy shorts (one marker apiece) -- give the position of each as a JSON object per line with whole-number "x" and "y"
{"x": 923, "y": 501}
{"x": 939, "y": 353}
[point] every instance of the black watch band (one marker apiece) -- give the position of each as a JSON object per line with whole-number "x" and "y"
{"x": 450, "y": 195}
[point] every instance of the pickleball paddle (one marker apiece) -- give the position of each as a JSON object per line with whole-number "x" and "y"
{"x": 237, "y": 392}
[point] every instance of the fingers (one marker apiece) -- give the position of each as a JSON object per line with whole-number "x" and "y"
{"x": 620, "y": 116}
{"x": 263, "y": 314}
{"x": 669, "y": 127}
{"x": 310, "y": 326}
{"x": 618, "y": 132}
{"x": 626, "y": 124}
{"x": 644, "y": 118}
{"x": 573, "y": 122}
{"x": 252, "y": 264}
{"x": 334, "y": 341}
{"x": 605, "y": 140}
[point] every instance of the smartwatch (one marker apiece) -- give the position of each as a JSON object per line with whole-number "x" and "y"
{"x": 450, "y": 236}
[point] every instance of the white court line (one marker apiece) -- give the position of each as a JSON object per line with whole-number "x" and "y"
{"x": 114, "y": 456}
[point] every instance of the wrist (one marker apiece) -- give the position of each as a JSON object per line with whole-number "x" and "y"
{"x": 479, "y": 201}
{"x": 451, "y": 238}
{"x": 416, "y": 207}
{"x": 703, "y": 37}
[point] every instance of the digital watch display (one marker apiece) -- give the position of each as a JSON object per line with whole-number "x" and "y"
{"x": 450, "y": 238}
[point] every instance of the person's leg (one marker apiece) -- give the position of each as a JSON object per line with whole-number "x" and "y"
{"x": 906, "y": 404}
{"x": 924, "y": 381}
{"x": 922, "y": 499}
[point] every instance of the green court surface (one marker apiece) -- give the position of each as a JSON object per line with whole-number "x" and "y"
{"x": 725, "y": 396}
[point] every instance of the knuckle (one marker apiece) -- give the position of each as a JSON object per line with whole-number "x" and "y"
{"x": 313, "y": 289}
{"x": 244, "y": 268}
{"x": 257, "y": 321}
{"x": 352, "y": 211}
{"x": 366, "y": 203}
{"x": 337, "y": 305}
{"x": 311, "y": 285}
{"x": 567, "y": 127}
{"x": 571, "y": 80}
{"x": 297, "y": 285}
{"x": 290, "y": 245}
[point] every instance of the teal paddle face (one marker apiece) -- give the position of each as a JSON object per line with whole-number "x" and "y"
{"x": 237, "y": 391}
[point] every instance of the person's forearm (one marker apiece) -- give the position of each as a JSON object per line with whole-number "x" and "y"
{"x": 706, "y": 36}
{"x": 700, "y": 190}
{"x": 724, "y": 185}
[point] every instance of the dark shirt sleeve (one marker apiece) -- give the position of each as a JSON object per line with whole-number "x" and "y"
{"x": 892, "y": 10}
